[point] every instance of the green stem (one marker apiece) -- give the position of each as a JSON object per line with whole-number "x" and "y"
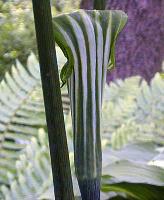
{"x": 53, "y": 103}
{"x": 99, "y": 4}
{"x": 90, "y": 189}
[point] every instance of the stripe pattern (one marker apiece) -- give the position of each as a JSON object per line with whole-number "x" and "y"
{"x": 87, "y": 39}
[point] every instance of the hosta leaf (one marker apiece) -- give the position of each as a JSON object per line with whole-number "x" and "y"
{"x": 158, "y": 160}
{"x": 135, "y": 172}
{"x": 133, "y": 176}
{"x": 138, "y": 153}
{"x": 135, "y": 191}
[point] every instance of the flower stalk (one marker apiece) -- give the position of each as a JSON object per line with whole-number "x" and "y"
{"x": 53, "y": 103}
{"x": 99, "y": 4}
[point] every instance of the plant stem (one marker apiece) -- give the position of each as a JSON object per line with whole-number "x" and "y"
{"x": 53, "y": 103}
{"x": 99, "y": 4}
{"x": 90, "y": 189}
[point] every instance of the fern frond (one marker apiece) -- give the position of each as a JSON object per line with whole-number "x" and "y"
{"x": 134, "y": 111}
{"x": 120, "y": 89}
{"x": 33, "y": 171}
{"x": 21, "y": 110}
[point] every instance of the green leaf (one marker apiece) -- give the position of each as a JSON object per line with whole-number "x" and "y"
{"x": 135, "y": 173}
{"x": 137, "y": 152}
{"x": 136, "y": 191}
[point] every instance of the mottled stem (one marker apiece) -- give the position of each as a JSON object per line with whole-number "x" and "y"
{"x": 90, "y": 189}
{"x": 53, "y": 103}
{"x": 99, "y": 4}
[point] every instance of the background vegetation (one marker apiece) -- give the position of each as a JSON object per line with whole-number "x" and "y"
{"x": 17, "y": 29}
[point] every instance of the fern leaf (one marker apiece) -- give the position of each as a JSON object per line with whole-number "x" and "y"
{"x": 134, "y": 111}
{"x": 22, "y": 108}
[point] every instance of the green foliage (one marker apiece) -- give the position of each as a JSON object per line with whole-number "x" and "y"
{"x": 134, "y": 172}
{"x": 130, "y": 172}
{"x": 133, "y": 176}
{"x": 136, "y": 191}
{"x": 134, "y": 111}
{"x": 33, "y": 171}
{"x": 17, "y": 33}
{"x": 123, "y": 107}
{"x": 65, "y": 5}
{"x": 17, "y": 30}
{"x": 34, "y": 179}
{"x": 21, "y": 111}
